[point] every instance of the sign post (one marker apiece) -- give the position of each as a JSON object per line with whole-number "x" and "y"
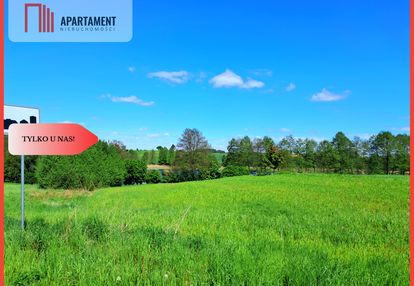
{"x": 22, "y": 187}
{"x": 20, "y": 115}
{"x": 41, "y": 139}
{"x": 47, "y": 139}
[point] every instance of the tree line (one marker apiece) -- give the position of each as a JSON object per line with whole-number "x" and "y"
{"x": 382, "y": 153}
{"x": 192, "y": 158}
{"x": 163, "y": 155}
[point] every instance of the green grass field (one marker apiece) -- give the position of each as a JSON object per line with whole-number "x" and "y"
{"x": 286, "y": 229}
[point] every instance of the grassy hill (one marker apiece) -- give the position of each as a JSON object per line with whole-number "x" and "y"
{"x": 287, "y": 229}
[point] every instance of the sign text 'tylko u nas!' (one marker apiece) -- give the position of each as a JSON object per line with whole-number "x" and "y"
{"x": 52, "y": 138}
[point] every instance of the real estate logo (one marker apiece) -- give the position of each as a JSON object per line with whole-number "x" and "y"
{"x": 70, "y": 21}
{"x": 46, "y": 18}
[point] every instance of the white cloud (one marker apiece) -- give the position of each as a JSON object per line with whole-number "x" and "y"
{"x": 143, "y": 129}
{"x": 157, "y": 135}
{"x": 285, "y": 130}
{"x": 252, "y": 83}
{"x": 227, "y": 79}
{"x": 327, "y": 96}
{"x": 129, "y": 99}
{"x": 131, "y": 69}
{"x": 178, "y": 77}
{"x": 230, "y": 79}
{"x": 405, "y": 128}
{"x": 290, "y": 87}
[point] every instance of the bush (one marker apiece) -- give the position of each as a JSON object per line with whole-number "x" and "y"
{"x": 135, "y": 172}
{"x": 209, "y": 174}
{"x": 99, "y": 166}
{"x": 263, "y": 172}
{"x": 12, "y": 167}
{"x": 231, "y": 171}
{"x": 170, "y": 177}
{"x": 153, "y": 177}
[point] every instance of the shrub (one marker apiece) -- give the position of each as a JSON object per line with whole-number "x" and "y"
{"x": 12, "y": 166}
{"x": 135, "y": 172}
{"x": 263, "y": 172}
{"x": 231, "y": 171}
{"x": 99, "y": 166}
{"x": 170, "y": 177}
{"x": 209, "y": 174}
{"x": 187, "y": 175}
{"x": 153, "y": 177}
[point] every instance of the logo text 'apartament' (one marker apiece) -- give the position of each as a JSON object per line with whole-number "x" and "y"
{"x": 46, "y": 21}
{"x": 70, "y": 20}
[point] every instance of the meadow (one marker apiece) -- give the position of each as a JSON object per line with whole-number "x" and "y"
{"x": 285, "y": 229}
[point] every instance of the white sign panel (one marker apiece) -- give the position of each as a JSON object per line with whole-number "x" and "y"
{"x": 20, "y": 115}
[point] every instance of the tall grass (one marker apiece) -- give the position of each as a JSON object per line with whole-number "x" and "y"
{"x": 290, "y": 229}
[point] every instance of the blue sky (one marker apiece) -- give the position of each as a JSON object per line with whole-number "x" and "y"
{"x": 228, "y": 68}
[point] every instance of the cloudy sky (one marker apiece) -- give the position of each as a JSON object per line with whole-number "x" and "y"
{"x": 228, "y": 68}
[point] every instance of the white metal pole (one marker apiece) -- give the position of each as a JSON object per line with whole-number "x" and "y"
{"x": 22, "y": 194}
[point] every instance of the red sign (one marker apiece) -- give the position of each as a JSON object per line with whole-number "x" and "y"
{"x": 49, "y": 139}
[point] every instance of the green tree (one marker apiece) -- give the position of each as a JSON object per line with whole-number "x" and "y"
{"x": 100, "y": 166}
{"x": 401, "y": 162}
{"x": 346, "y": 153}
{"x": 135, "y": 172}
{"x": 233, "y": 157}
{"x": 243, "y": 152}
{"x": 153, "y": 177}
{"x": 276, "y": 157}
{"x": 12, "y": 166}
{"x": 171, "y": 155}
{"x": 268, "y": 143}
{"x": 383, "y": 148}
{"x": 193, "y": 151}
{"x": 145, "y": 157}
{"x": 162, "y": 156}
{"x": 231, "y": 171}
{"x": 246, "y": 152}
{"x": 327, "y": 158}
{"x": 289, "y": 144}
{"x": 152, "y": 157}
{"x": 361, "y": 147}
{"x": 310, "y": 154}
